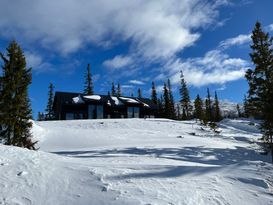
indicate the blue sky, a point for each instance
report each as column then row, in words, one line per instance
column 134, row 43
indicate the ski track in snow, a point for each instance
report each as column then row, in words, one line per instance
column 136, row 161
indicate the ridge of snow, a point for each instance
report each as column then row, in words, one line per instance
column 116, row 100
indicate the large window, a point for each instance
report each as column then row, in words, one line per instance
column 130, row 112
column 136, row 112
column 92, row 112
column 99, row 112
column 133, row 112
column 95, row 111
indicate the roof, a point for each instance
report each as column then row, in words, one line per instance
column 80, row 98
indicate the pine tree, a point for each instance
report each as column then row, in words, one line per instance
column 40, row 116
column 217, row 112
column 160, row 106
column 178, row 112
column 15, row 107
column 154, row 95
column 139, row 94
column 88, row 88
column 198, row 108
column 208, row 111
column 185, row 97
column 49, row 107
column 166, row 103
column 172, row 108
column 260, row 80
column 118, row 90
column 113, row 91
column 246, row 107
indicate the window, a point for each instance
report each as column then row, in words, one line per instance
column 136, row 112
column 92, row 112
column 99, row 112
column 69, row 116
column 133, row 112
column 95, row 111
column 130, row 112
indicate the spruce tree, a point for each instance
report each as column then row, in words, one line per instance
column 154, row 95
column 15, row 106
column 217, row 112
column 166, row 103
column 208, row 111
column 88, row 88
column 118, row 90
column 139, row 94
column 198, row 108
column 172, row 108
column 49, row 107
column 160, row 106
column 113, row 90
column 260, row 80
column 185, row 97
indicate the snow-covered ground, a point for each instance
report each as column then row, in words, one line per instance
column 137, row 161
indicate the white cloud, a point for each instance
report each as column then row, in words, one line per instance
column 238, row 40
column 136, row 82
column 36, row 62
column 118, row 62
column 270, row 27
column 156, row 29
column 214, row 68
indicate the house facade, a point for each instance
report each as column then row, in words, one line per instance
column 69, row 106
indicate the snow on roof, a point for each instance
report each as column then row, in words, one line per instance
column 145, row 105
column 117, row 101
column 129, row 100
column 77, row 99
column 93, row 97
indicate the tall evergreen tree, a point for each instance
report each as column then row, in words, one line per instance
column 208, row 111
column 166, row 103
column 217, row 111
column 172, row 106
column 154, row 94
column 49, row 107
column 198, row 108
column 185, row 97
column 113, row 90
column 88, row 87
column 160, row 106
column 15, row 107
column 260, row 80
column 139, row 94
column 118, row 90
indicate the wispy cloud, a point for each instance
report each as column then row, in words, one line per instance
column 215, row 67
column 156, row 29
column 236, row 41
column 118, row 62
column 136, row 82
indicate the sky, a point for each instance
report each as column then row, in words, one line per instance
column 134, row 43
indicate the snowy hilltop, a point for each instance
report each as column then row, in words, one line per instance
column 137, row 161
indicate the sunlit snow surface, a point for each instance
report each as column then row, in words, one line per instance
column 137, row 161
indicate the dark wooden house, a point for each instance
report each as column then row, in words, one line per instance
column 69, row 106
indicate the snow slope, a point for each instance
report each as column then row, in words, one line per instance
column 137, row 161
